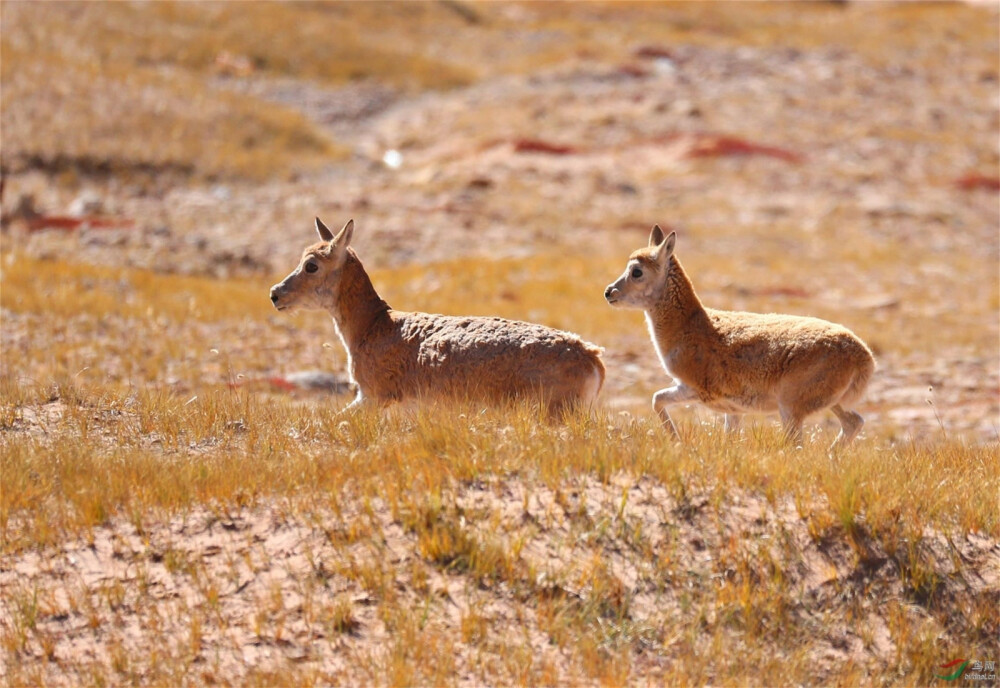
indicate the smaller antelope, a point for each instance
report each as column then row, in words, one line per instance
column 738, row 363
column 393, row 355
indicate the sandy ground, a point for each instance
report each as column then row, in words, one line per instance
column 276, row 584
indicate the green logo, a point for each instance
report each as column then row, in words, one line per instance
column 958, row 672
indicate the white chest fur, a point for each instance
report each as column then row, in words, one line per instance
column 661, row 352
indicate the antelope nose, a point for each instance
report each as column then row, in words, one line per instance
column 274, row 295
column 610, row 292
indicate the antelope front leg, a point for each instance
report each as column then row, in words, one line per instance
column 678, row 394
column 359, row 402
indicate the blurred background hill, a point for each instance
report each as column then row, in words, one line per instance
column 836, row 159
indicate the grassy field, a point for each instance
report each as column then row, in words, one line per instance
column 154, row 481
column 612, row 553
column 173, row 513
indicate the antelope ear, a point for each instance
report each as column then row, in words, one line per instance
column 665, row 247
column 324, row 233
column 656, row 236
column 343, row 238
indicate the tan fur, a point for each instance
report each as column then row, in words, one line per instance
column 394, row 355
column 736, row 362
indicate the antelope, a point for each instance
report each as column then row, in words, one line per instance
column 737, row 363
column 397, row 355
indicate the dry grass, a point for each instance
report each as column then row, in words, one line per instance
column 148, row 125
column 292, row 447
column 120, row 90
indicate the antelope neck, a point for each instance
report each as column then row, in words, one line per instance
column 679, row 309
column 356, row 305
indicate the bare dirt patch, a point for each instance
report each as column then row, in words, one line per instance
column 244, row 592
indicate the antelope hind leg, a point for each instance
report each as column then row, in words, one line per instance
column 851, row 424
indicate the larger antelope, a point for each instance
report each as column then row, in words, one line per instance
column 394, row 355
column 739, row 363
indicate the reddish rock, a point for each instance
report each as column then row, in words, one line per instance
column 978, row 181
column 712, row 146
column 539, row 146
column 652, row 52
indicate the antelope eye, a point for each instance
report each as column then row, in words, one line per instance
column 636, row 273
column 311, row 267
